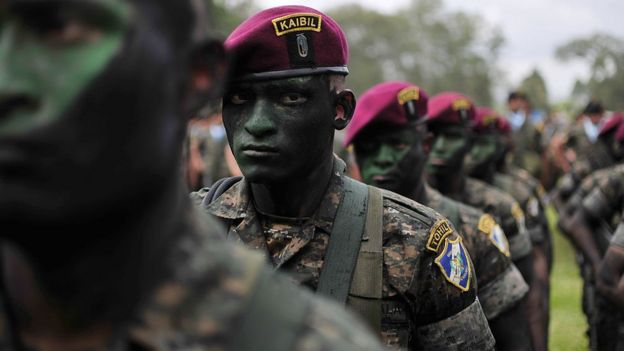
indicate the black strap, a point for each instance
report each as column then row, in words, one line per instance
column 218, row 188
column 268, row 323
column 344, row 242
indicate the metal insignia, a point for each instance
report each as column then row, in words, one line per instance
column 302, row 45
column 454, row 263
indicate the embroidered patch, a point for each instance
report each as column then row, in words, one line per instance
column 455, row 264
column 297, row 22
column 441, row 229
column 408, row 94
column 461, row 104
column 488, row 225
column 518, row 214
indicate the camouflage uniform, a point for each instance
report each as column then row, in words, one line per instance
column 527, row 148
column 601, row 197
column 505, row 210
column 501, row 285
column 421, row 308
column 203, row 302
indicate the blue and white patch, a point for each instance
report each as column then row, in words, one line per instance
column 499, row 239
column 454, row 263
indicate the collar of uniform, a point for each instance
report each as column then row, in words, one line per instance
column 236, row 202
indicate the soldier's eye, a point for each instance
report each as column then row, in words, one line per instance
column 239, row 98
column 293, row 99
column 69, row 32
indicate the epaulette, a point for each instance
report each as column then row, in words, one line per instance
column 411, row 208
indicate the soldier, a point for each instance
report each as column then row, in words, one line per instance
column 450, row 116
column 597, row 213
column 526, row 137
column 100, row 246
column 389, row 135
column 486, row 161
column 610, row 279
column 413, row 279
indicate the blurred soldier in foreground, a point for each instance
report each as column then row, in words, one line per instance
column 527, row 146
column 397, row 262
column 389, row 134
column 450, row 118
column 486, row 161
column 598, row 206
column 101, row 248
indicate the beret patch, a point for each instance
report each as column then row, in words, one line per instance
column 408, row 94
column 297, row 22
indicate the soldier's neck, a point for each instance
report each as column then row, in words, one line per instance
column 295, row 198
column 418, row 192
column 87, row 288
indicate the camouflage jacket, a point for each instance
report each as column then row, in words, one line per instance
column 505, row 210
column 501, row 285
column 202, row 304
column 423, row 305
column 601, row 196
column 526, row 193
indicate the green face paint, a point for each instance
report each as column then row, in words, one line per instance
column 448, row 150
column 49, row 52
column 378, row 155
column 483, row 153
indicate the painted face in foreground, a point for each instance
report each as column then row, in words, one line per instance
column 448, row 150
column 49, row 52
column 391, row 157
column 280, row 129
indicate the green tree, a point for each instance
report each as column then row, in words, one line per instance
column 605, row 57
column 422, row 43
column 535, row 87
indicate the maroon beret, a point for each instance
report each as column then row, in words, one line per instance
column 486, row 120
column 613, row 123
column 448, row 108
column 386, row 102
column 288, row 41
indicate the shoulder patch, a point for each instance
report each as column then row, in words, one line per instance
column 454, row 263
column 297, row 22
column 517, row 212
column 533, row 207
column 488, row 225
column 441, row 229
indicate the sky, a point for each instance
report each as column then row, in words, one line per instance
column 533, row 29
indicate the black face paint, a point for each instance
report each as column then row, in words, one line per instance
column 280, row 129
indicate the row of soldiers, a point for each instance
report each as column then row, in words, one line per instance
column 102, row 249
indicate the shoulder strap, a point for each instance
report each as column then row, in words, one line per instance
column 267, row 313
column 218, row 188
column 366, row 287
column 344, row 242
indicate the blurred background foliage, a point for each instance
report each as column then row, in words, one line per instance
column 439, row 49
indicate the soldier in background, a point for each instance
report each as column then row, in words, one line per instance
column 451, row 116
column 101, row 248
column 397, row 262
column 486, row 161
column 390, row 140
column 527, row 146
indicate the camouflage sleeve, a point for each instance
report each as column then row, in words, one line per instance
column 605, row 198
column 429, row 265
column 501, row 285
column 618, row 237
column 514, row 223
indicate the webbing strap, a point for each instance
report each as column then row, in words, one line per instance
column 366, row 287
column 267, row 325
column 344, row 242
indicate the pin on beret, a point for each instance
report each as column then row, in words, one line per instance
column 450, row 108
column 486, row 120
column 288, row 41
column 394, row 102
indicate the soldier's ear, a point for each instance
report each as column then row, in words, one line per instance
column 344, row 108
column 209, row 70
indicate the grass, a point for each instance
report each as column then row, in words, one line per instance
column 567, row 321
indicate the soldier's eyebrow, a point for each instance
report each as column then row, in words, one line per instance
column 97, row 12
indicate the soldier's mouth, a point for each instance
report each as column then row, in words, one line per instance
column 254, row 150
column 437, row 162
column 11, row 103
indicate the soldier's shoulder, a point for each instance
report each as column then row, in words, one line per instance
column 398, row 207
column 489, row 192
